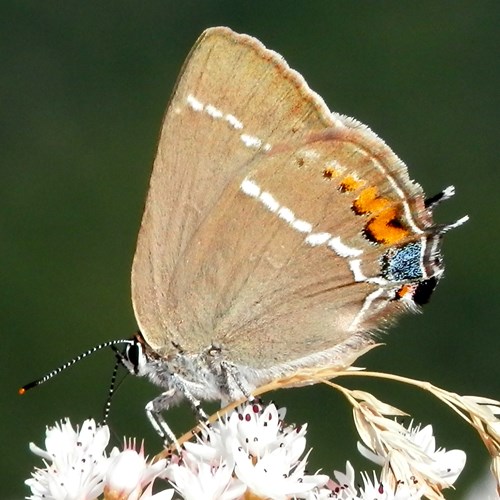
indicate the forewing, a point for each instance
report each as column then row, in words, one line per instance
column 232, row 98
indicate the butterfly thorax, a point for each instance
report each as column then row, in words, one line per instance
column 180, row 374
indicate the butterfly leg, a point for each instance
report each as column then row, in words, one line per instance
column 153, row 412
column 236, row 386
column 193, row 401
column 164, row 401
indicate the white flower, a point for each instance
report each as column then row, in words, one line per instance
column 75, row 462
column 420, row 457
column 346, row 486
column 276, row 475
column 372, row 489
column 253, row 427
column 78, row 468
column 248, row 451
column 378, row 490
column 129, row 473
column 195, row 479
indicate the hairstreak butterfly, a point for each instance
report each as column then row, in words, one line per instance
column 277, row 235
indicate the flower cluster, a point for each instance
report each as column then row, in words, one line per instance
column 249, row 454
column 77, row 467
column 249, row 451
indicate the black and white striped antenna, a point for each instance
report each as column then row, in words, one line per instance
column 112, row 385
column 71, row 362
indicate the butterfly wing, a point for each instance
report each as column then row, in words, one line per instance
column 267, row 216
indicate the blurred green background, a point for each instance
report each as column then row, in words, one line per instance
column 83, row 87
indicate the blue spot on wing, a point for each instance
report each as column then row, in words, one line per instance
column 403, row 264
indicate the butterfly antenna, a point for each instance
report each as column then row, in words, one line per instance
column 112, row 386
column 71, row 362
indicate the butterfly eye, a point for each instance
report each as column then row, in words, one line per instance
column 132, row 356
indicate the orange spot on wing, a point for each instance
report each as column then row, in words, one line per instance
column 368, row 201
column 350, row 183
column 329, row 173
column 405, row 290
column 385, row 225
